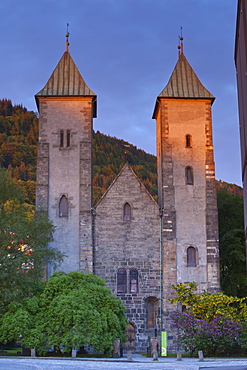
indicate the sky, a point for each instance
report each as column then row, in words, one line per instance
column 126, row 51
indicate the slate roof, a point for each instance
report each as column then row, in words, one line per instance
column 66, row 80
column 184, row 84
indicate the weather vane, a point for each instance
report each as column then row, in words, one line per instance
column 181, row 45
column 67, row 38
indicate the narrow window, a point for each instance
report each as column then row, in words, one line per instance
column 63, row 206
column 68, row 138
column 122, row 281
column 126, row 212
column 191, row 256
column 189, row 175
column 133, row 276
column 152, row 310
column 188, row 141
column 61, row 138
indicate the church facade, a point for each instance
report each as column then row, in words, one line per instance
column 139, row 247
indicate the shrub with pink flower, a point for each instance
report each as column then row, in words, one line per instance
column 217, row 336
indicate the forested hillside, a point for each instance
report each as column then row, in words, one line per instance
column 18, row 145
column 18, row 152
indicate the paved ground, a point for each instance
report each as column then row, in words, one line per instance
column 138, row 363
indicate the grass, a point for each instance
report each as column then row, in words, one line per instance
column 11, row 352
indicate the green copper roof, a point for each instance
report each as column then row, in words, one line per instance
column 66, row 80
column 184, row 84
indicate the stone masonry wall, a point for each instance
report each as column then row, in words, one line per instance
column 211, row 210
column 67, row 171
column 130, row 244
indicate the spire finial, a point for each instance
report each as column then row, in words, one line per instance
column 181, row 45
column 67, row 38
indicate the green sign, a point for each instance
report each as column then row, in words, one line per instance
column 163, row 343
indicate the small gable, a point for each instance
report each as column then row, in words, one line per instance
column 126, row 186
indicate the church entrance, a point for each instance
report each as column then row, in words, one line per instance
column 130, row 344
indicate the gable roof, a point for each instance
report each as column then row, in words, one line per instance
column 66, row 80
column 184, row 84
column 125, row 168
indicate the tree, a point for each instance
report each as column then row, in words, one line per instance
column 231, row 211
column 233, row 275
column 207, row 306
column 232, row 263
column 209, row 322
column 24, row 250
column 75, row 309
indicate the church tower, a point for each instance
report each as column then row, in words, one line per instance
column 67, row 107
column 186, row 182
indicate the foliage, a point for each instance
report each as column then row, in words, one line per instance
column 207, row 306
column 74, row 309
column 212, row 322
column 79, row 309
column 212, row 337
column 230, row 188
column 230, row 207
column 24, row 238
column 19, row 321
column 244, row 334
column 233, row 275
column 233, row 263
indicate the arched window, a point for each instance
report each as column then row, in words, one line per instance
column 61, row 138
column 133, row 276
column 152, row 311
column 189, row 175
column 188, row 141
column 191, row 256
column 63, row 207
column 127, row 212
column 68, row 138
column 121, row 281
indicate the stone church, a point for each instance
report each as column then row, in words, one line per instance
column 138, row 246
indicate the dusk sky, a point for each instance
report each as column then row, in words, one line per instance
column 126, row 51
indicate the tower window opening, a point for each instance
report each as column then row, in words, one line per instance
column 68, row 138
column 188, row 141
column 133, row 276
column 61, row 138
column 191, row 256
column 189, row 175
column 121, row 280
column 63, row 207
column 127, row 212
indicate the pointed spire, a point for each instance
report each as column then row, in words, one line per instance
column 181, row 45
column 66, row 80
column 183, row 84
column 67, row 39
